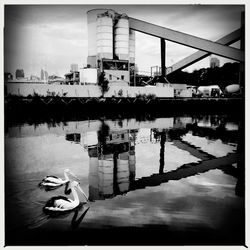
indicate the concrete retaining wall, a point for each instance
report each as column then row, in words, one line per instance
column 25, row 90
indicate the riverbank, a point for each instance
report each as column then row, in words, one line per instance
column 39, row 109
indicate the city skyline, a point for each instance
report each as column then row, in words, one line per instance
column 54, row 37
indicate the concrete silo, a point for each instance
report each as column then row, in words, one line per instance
column 131, row 46
column 104, row 35
column 100, row 34
column 111, row 46
column 122, row 38
column 132, row 56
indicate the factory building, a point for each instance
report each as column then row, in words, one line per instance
column 111, row 48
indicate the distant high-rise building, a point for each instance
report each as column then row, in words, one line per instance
column 74, row 67
column 19, row 73
column 42, row 74
column 8, row 76
column 46, row 75
column 214, row 62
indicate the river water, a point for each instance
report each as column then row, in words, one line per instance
column 167, row 181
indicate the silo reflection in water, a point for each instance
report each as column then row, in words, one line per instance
column 105, row 174
column 111, row 165
column 123, row 172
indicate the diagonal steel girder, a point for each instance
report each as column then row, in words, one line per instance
column 199, row 55
column 186, row 39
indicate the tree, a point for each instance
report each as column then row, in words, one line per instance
column 222, row 76
column 103, row 83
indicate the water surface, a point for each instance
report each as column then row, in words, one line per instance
column 170, row 181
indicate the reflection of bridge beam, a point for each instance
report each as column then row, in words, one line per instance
column 185, row 171
column 199, row 55
column 227, row 169
column 186, row 39
column 192, row 150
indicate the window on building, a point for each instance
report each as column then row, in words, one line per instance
column 122, row 77
column 114, row 65
column 109, row 65
column 122, row 65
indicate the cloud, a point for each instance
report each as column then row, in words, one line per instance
column 43, row 46
column 54, row 36
column 40, row 154
column 200, row 201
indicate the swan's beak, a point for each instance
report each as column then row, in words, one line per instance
column 83, row 193
column 74, row 175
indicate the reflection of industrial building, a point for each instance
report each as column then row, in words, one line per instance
column 111, row 164
column 112, row 152
column 111, row 161
column 214, row 127
column 210, row 126
column 178, row 129
column 74, row 137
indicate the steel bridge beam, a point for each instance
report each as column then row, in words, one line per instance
column 186, row 39
column 199, row 55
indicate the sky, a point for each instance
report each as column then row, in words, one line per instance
column 52, row 37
